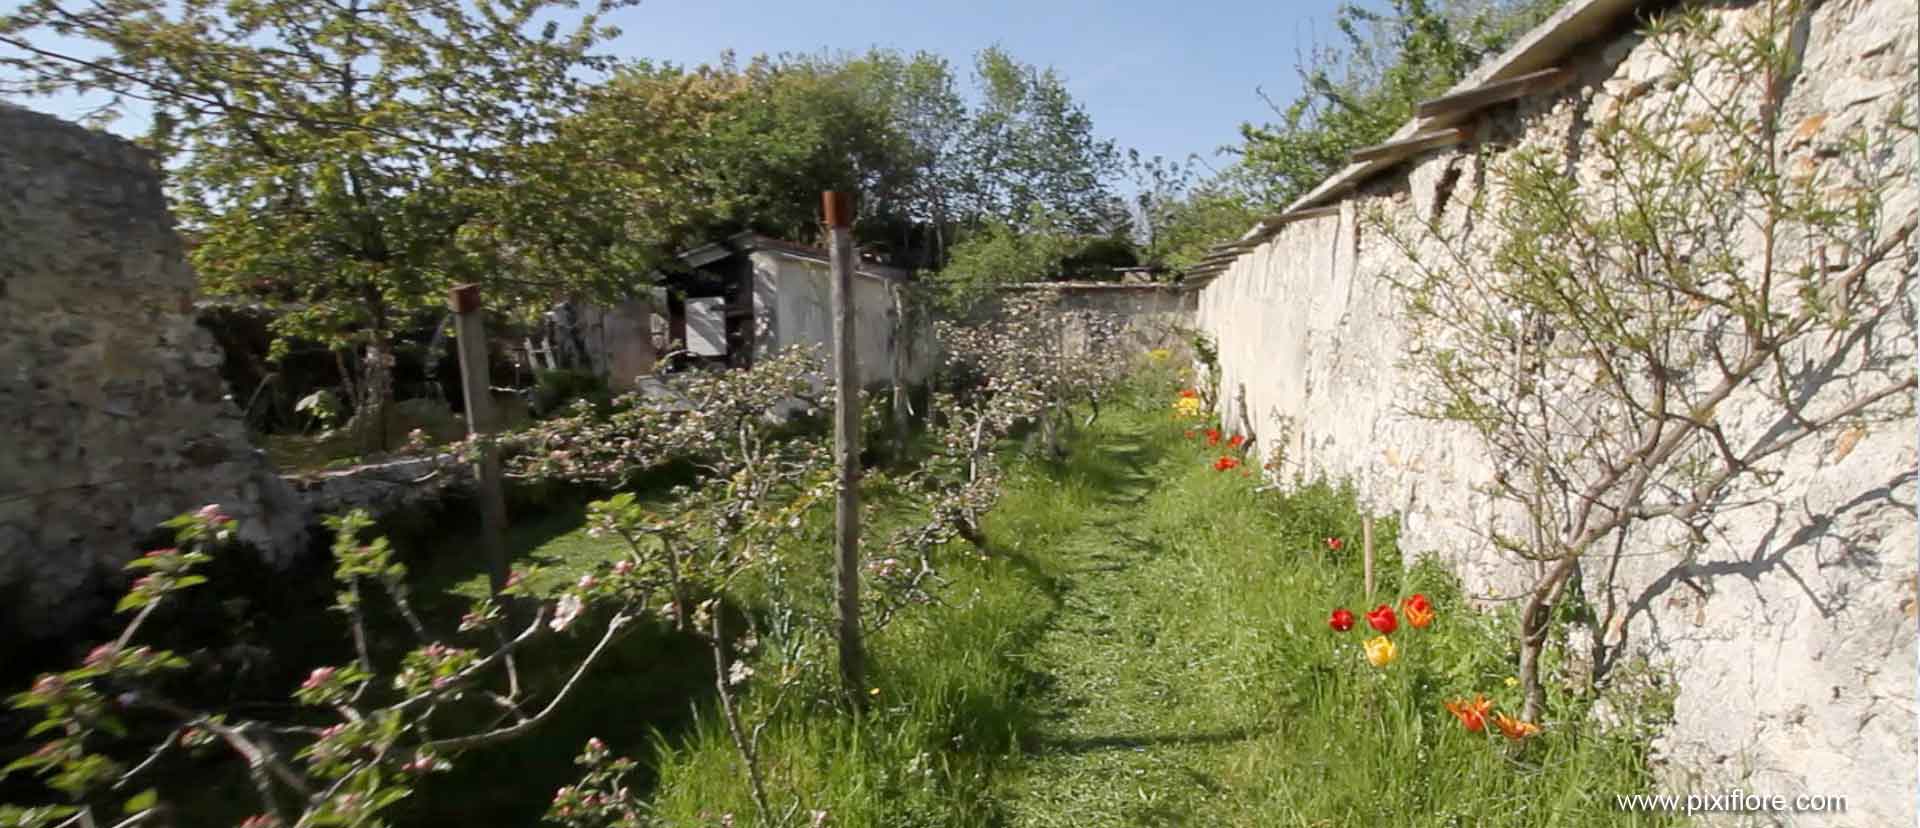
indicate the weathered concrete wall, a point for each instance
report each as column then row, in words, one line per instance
column 792, row 304
column 618, row 340
column 1791, row 638
column 112, row 414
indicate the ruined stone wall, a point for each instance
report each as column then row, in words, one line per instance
column 113, row 416
column 1790, row 640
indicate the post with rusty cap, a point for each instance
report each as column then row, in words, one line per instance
column 469, row 330
column 846, row 450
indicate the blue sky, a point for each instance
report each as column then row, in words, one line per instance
column 1167, row 77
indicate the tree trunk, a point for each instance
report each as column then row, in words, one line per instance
column 376, row 395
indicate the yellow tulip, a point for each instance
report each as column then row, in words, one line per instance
column 1380, row 651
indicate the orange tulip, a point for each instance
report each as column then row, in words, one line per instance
column 1514, row 728
column 1418, row 611
column 1472, row 714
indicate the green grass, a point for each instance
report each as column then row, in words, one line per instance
column 1146, row 644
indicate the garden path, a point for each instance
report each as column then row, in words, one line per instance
column 1120, row 741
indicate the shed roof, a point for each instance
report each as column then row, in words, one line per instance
column 750, row 242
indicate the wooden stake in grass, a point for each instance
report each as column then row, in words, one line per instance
column 846, row 450
column 470, row 337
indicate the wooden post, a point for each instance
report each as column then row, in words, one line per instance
column 846, row 451
column 469, row 329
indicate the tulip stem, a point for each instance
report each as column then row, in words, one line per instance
column 1366, row 551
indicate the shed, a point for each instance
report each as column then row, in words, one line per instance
column 741, row 298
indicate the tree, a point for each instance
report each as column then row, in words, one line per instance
column 1385, row 63
column 350, row 160
column 1004, row 253
column 1178, row 213
column 1032, row 145
column 734, row 146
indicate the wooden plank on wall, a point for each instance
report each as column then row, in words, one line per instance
column 1481, row 97
column 1396, row 150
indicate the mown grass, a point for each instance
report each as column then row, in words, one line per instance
column 1145, row 643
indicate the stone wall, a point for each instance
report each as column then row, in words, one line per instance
column 1791, row 637
column 113, row 416
column 1152, row 316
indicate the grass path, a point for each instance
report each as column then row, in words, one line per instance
column 1118, row 742
column 1146, row 643
column 1187, row 675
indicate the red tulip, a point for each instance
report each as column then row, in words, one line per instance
column 1341, row 620
column 1334, row 544
column 1381, row 618
column 1236, row 441
column 1213, row 436
column 1225, row 463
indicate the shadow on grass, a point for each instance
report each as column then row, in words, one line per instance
column 1101, row 744
column 648, row 684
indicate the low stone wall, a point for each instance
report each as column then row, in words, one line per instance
column 384, row 488
column 1791, row 635
column 1152, row 316
column 113, row 416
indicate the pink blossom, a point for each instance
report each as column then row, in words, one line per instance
column 319, row 676
column 101, row 654
column 566, row 611
column 161, row 553
column 587, row 581
column 211, row 513
column 623, row 567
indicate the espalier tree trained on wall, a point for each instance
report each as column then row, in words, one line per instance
column 1592, row 320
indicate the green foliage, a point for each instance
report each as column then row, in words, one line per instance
column 324, row 406
column 1032, row 145
column 731, row 146
column 1359, row 90
column 1002, row 253
column 1096, row 258
column 556, row 389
